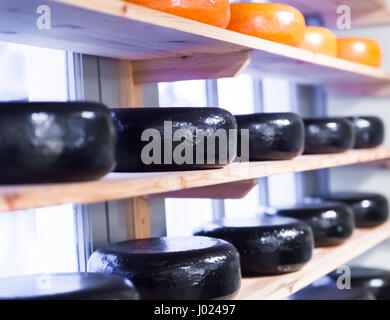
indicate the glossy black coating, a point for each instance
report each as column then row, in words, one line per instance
column 324, row 292
column 328, row 135
column 131, row 123
column 370, row 131
column 44, row 142
column 67, row 286
column 267, row 245
column 332, row 222
column 376, row 281
column 183, row 268
column 370, row 209
column 272, row 136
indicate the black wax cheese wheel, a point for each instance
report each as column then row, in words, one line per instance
column 370, row 131
column 325, row 292
column 328, row 135
column 182, row 268
column 272, row 136
column 146, row 139
column 67, row 286
column 376, row 281
column 267, row 245
column 332, row 223
column 370, row 209
column 45, row 142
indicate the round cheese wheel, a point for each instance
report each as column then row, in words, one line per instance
column 328, row 135
column 376, row 281
column 44, row 142
column 182, row 268
column 320, row 40
column 272, row 136
column 213, row 12
column 332, row 223
column 361, row 50
column 370, row 209
column 370, row 131
column 270, row 21
column 167, row 139
column 324, row 292
column 67, row 286
column 267, row 245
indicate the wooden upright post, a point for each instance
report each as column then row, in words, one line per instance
column 137, row 209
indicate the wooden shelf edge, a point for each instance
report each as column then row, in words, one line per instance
column 231, row 190
column 169, row 48
column 120, row 186
column 324, row 261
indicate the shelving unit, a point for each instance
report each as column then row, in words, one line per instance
column 324, row 261
column 364, row 13
column 127, row 185
column 168, row 48
column 161, row 47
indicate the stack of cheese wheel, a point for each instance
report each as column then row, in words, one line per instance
column 271, row 21
column 67, row 286
column 184, row 268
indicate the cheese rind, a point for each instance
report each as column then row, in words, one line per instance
column 370, row 209
column 332, row 223
column 267, row 245
column 328, row 135
column 370, row 131
column 272, row 136
column 183, row 268
column 44, row 142
column 169, row 139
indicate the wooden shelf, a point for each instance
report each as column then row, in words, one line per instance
column 120, row 186
column 364, row 13
column 324, row 261
column 168, row 48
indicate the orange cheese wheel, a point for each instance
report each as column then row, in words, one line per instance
column 270, row 21
column 320, row 40
column 361, row 50
column 214, row 12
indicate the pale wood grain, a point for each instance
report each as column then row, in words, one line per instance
column 137, row 214
column 198, row 66
column 231, row 190
column 324, row 261
column 137, row 211
column 126, row 31
column 125, row 185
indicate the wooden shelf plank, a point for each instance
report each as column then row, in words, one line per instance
column 324, row 261
column 126, row 185
column 364, row 13
column 168, row 48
